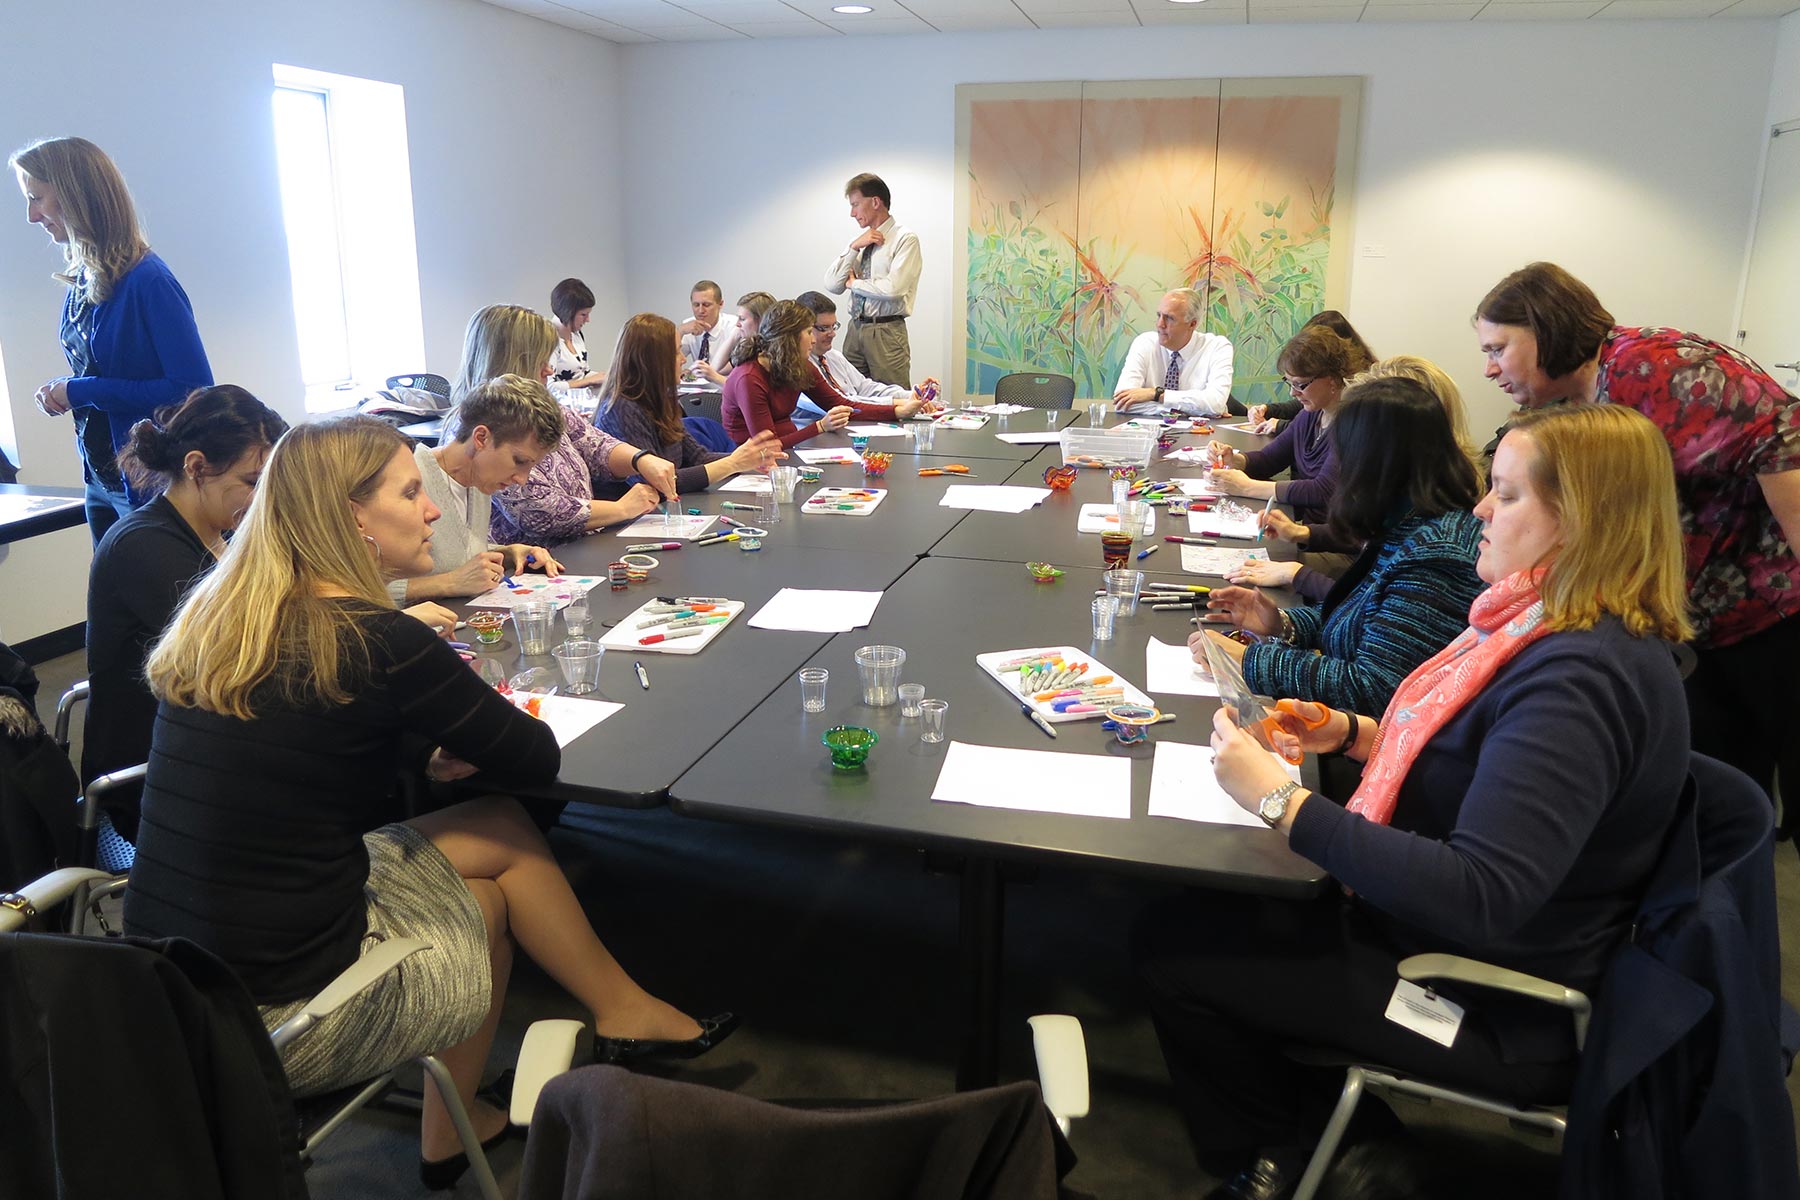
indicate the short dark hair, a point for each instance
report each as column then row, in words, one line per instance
column 570, row 297
column 870, row 186
column 707, row 285
column 1395, row 452
column 223, row 423
column 819, row 302
column 1563, row 314
column 1318, row 351
column 1339, row 324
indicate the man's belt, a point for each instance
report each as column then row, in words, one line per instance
column 877, row 320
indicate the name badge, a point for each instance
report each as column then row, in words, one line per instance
column 1425, row 1012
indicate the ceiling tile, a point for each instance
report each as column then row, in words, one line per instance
column 978, row 24
column 1214, row 13
column 1262, row 14
column 1034, row 7
column 707, row 32
column 1540, row 10
column 1084, row 20
column 1761, row 8
column 957, row 8
column 1419, row 12
column 1654, row 10
column 865, row 26
column 789, row 29
column 745, row 12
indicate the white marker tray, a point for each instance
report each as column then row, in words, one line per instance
column 1010, row 679
column 1101, row 518
column 824, row 502
column 625, row 635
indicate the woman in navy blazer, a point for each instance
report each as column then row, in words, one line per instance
column 127, row 328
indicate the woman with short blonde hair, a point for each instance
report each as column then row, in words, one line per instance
column 1423, row 370
column 503, row 339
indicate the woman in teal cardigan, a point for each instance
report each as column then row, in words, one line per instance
column 1405, row 492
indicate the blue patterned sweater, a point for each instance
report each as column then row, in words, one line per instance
column 1402, row 601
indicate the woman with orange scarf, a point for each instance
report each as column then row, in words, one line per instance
column 1515, row 797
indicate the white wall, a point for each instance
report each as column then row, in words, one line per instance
column 1784, row 90
column 1626, row 151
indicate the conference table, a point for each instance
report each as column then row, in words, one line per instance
column 27, row 510
column 721, row 734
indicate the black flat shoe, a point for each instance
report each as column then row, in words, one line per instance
column 442, row 1175
column 713, row 1030
column 1263, row 1179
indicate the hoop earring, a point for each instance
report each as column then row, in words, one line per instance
column 374, row 543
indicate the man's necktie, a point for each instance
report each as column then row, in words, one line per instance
column 862, row 272
column 706, row 345
column 1172, row 377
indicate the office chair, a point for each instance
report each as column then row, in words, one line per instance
column 1035, row 389
column 437, row 385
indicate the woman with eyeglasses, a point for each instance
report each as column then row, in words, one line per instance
column 1317, row 363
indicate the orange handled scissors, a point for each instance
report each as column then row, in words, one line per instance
column 1270, row 723
column 950, row 469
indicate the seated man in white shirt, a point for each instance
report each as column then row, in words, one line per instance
column 833, row 365
column 1176, row 369
column 708, row 336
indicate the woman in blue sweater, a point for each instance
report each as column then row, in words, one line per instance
column 1516, row 796
column 127, row 328
column 1404, row 496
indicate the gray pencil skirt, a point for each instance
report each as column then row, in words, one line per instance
column 430, row 1002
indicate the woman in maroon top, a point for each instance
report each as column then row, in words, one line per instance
column 773, row 366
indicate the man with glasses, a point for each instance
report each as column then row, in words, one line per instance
column 1176, row 368
column 880, row 269
column 832, row 364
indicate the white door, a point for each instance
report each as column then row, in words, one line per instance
column 1769, row 330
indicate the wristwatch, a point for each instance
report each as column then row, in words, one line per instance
column 1159, row 394
column 1273, row 806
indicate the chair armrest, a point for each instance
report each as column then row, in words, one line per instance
column 357, row 977
column 65, row 711
column 43, row 893
column 91, row 806
column 1062, row 1066
column 1422, row 967
column 547, row 1051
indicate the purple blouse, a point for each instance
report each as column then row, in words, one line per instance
column 1304, row 446
column 551, row 507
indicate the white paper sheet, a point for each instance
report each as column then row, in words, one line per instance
column 809, row 610
column 1047, row 438
column 1188, row 454
column 751, row 482
column 1183, row 786
column 570, row 716
column 1170, row 671
column 1098, row 518
column 813, row 458
column 1081, row 785
column 1241, row 427
column 1196, row 487
column 1213, row 524
column 652, row 527
column 559, row 589
column 878, row 429
column 1216, row 560
column 1001, row 410
column 992, row 497
column 963, row 420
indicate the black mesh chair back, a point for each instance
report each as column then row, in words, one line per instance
column 1035, row 389
column 437, row 385
column 708, row 404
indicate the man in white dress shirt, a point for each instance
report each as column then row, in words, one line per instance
column 708, row 335
column 1176, row 369
column 880, row 269
column 832, row 364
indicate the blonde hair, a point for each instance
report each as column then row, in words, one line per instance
column 503, row 339
column 105, row 238
column 257, row 627
column 1432, row 378
column 1606, row 473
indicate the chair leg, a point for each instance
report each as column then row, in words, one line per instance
column 465, row 1128
column 1334, row 1133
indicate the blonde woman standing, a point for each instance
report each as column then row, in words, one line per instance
column 127, row 328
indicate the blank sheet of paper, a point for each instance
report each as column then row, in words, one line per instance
column 878, row 429
column 809, row 610
column 1183, row 786
column 813, row 458
column 992, row 497
column 570, row 716
column 1077, row 785
column 1047, row 438
column 1171, row 671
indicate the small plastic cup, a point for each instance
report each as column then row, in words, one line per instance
column 849, row 745
column 1050, row 418
column 1121, row 492
column 1133, row 514
column 784, row 479
column 1115, row 548
column 812, row 688
column 534, row 619
column 859, row 442
column 491, row 672
column 580, row 663
column 488, row 627
column 924, row 434
column 1104, row 608
column 879, row 667
column 931, row 718
column 1124, row 587
column 575, row 616
column 1096, row 415
column 910, row 696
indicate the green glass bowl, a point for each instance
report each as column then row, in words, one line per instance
column 849, row 745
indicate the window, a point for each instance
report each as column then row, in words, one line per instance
column 346, row 201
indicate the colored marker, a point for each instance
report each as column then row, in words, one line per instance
column 643, row 676
column 1143, row 554
column 1263, row 524
column 735, row 506
column 1037, row 718
column 716, row 538
column 646, row 547
column 1192, row 541
column 668, row 637
column 509, row 581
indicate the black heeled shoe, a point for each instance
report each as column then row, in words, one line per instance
column 713, row 1030
column 441, row 1176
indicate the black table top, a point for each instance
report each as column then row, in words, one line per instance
column 944, row 612
column 966, row 444
column 38, row 509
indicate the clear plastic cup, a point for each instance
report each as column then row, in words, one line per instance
column 580, row 663
column 533, row 620
column 1123, row 587
column 784, row 480
column 575, row 616
column 812, row 688
column 1096, row 414
column 1121, row 492
column 910, row 696
column 1133, row 514
column 924, row 434
column 765, row 496
column 879, row 667
column 931, row 718
column 1050, row 418
column 1104, row 608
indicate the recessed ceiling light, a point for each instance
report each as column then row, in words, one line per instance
column 857, row 10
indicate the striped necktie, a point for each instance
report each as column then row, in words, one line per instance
column 862, row 272
column 705, row 345
column 1172, row 377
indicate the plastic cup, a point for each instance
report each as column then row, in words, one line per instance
column 580, row 663
column 1133, row 514
column 849, row 745
column 931, row 717
column 1104, row 608
column 924, row 434
column 1124, row 587
column 575, row 616
column 1050, row 418
column 879, row 667
column 490, row 671
column 488, row 626
column 910, row 696
column 859, row 442
column 1121, row 492
column 812, row 688
column 1115, row 548
column 1096, row 415
column 784, row 480
column 533, row 619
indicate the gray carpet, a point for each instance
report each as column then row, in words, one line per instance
column 842, row 960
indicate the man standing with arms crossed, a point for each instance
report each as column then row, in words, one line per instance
column 880, row 269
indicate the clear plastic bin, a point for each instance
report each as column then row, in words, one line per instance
column 1107, row 447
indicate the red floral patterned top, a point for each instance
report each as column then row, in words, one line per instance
column 1727, row 423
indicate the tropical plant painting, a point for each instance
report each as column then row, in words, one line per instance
column 1083, row 203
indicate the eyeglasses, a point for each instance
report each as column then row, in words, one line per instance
column 822, row 330
column 1297, row 386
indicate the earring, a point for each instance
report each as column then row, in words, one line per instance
column 374, row 543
